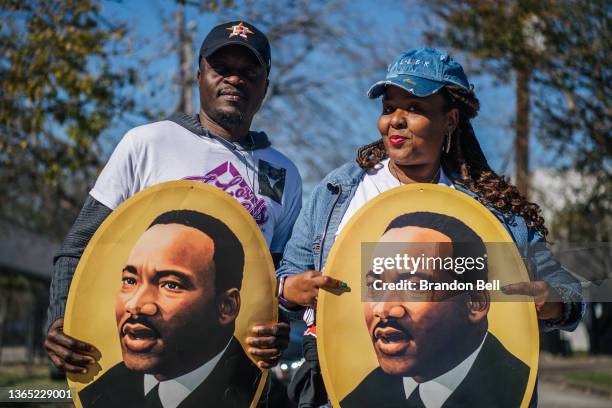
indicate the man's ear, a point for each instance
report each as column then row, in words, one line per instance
column 198, row 76
column 228, row 306
column 478, row 305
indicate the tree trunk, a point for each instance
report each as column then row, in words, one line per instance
column 185, row 76
column 521, row 142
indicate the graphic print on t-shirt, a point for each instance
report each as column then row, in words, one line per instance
column 271, row 181
column 227, row 178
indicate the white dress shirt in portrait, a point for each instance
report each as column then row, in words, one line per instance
column 172, row 392
column 436, row 391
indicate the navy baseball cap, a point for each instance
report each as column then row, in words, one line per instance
column 237, row 32
column 422, row 72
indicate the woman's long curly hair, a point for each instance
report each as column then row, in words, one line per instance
column 467, row 161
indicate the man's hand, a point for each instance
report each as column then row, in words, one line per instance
column 267, row 343
column 547, row 301
column 66, row 352
column 303, row 288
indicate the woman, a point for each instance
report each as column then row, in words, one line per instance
column 426, row 137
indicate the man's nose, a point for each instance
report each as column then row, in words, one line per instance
column 386, row 310
column 143, row 301
column 234, row 79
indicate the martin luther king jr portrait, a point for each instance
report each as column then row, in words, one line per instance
column 434, row 348
column 175, row 313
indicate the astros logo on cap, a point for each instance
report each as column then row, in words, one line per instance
column 239, row 30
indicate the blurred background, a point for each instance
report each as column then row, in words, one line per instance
column 76, row 75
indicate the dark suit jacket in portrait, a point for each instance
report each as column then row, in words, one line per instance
column 232, row 383
column 497, row 379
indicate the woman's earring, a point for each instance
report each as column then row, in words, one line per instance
column 448, row 142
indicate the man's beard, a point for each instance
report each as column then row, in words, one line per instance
column 229, row 120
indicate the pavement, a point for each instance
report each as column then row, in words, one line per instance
column 557, row 396
column 556, row 391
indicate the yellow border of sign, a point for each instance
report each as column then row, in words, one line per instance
column 431, row 192
column 178, row 187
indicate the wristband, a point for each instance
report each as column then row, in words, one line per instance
column 280, row 286
column 279, row 293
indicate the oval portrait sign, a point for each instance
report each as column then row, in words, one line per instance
column 167, row 290
column 425, row 322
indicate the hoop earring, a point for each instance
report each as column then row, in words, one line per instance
column 448, row 142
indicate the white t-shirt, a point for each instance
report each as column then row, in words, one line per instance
column 376, row 181
column 264, row 181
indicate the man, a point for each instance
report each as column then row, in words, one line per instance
column 433, row 347
column 175, row 317
column 216, row 147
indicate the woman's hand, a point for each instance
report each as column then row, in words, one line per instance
column 267, row 343
column 303, row 288
column 547, row 301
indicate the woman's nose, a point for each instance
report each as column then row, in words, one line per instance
column 398, row 121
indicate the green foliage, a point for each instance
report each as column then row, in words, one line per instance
column 499, row 33
column 22, row 376
column 565, row 45
column 213, row 6
column 60, row 91
column 589, row 219
column 596, row 377
column 572, row 109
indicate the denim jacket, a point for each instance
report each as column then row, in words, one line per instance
column 315, row 230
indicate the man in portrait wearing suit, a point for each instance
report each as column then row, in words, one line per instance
column 433, row 347
column 176, row 313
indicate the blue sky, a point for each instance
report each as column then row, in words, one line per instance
column 399, row 27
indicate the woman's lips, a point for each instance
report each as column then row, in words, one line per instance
column 397, row 140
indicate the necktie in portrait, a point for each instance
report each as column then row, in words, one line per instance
column 415, row 400
column 152, row 398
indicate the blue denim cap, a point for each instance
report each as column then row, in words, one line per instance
column 422, row 72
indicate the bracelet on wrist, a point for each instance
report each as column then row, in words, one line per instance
column 280, row 292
